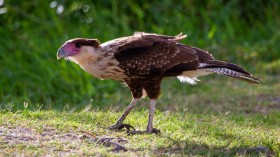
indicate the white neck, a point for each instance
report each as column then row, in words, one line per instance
column 98, row 63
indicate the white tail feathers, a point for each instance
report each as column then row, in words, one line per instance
column 188, row 80
column 190, row 77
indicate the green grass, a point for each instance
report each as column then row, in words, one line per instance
column 212, row 120
column 45, row 132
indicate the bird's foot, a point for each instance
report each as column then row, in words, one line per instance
column 153, row 131
column 128, row 127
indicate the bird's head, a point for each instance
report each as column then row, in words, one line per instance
column 75, row 49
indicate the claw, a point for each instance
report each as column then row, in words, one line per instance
column 155, row 131
column 135, row 132
column 128, row 127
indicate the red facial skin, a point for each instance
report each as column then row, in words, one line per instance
column 68, row 49
column 71, row 49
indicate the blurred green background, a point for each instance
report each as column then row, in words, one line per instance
column 242, row 32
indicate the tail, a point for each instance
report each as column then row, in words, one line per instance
column 229, row 69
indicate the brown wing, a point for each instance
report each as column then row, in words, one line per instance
column 141, row 39
column 156, row 55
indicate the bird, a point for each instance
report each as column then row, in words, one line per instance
column 142, row 60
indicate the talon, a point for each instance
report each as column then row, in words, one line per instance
column 137, row 132
column 128, row 127
column 155, row 131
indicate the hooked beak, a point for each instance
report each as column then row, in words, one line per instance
column 61, row 53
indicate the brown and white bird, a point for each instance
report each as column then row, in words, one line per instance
column 142, row 61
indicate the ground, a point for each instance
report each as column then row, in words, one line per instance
column 224, row 117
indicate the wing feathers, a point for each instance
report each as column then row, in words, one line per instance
column 144, row 54
column 164, row 37
column 202, row 55
column 155, row 55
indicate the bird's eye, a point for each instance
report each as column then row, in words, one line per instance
column 78, row 45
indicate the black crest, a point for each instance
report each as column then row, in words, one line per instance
column 85, row 42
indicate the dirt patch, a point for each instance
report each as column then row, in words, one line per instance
column 257, row 151
column 53, row 140
column 264, row 104
column 264, row 97
column 28, row 135
column 266, row 109
column 115, row 143
column 273, row 106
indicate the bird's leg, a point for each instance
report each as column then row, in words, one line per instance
column 119, row 124
column 150, row 128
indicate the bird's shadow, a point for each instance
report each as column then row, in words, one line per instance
column 189, row 148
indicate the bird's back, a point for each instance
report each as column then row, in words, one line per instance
column 153, row 55
column 138, row 39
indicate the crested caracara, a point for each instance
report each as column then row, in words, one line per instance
column 142, row 61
